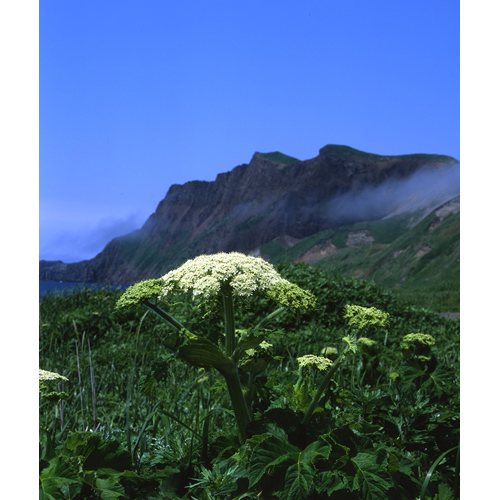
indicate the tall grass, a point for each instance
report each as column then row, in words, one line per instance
column 179, row 418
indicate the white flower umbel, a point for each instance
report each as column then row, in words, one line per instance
column 46, row 379
column 45, row 376
column 319, row 362
column 207, row 276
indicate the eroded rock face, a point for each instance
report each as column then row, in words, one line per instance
column 318, row 252
column 242, row 209
column 356, row 238
column 453, row 207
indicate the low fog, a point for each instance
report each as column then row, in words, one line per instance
column 426, row 188
column 87, row 238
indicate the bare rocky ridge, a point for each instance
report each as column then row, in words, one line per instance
column 271, row 197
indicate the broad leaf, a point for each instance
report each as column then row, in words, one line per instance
column 108, row 483
column 271, row 451
column 58, row 480
column 97, row 452
column 300, row 475
column 369, row 478
column 298, row 481
column 331, row 481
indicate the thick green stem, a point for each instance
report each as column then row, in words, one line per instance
column 232, row 378
column 227, row 299
column 321, row 389
column 238, row 401
column 164, row 315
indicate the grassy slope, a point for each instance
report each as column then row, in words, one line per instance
column 392, row 261
column 348, row 150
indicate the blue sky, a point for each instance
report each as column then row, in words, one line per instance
column 135, row 97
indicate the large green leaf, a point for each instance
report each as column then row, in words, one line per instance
column 201, row 352
column 59, row 481
column 331, row 481
column 269, row 452
column 97, row 452
column 300, row 475
column 368, row 478
column 339, row 454
column 298, row 481
column 108, row 484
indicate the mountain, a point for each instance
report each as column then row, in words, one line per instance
column 274, row 202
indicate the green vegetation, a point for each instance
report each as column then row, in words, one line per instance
column 421, row 265
column 279, row 158
column 356, row 398
column 420, row 156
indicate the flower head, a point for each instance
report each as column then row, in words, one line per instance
column 319, row 362
column 329, row 351
column 208, row 275
column 366, row 342
column 45, row 376
column 362, row 317
column 419, row 339
column 138, row 293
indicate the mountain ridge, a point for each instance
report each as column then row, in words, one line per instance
column 272, row 196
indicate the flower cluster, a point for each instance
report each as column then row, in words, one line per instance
column 138, row 293
column 366, row 342
column 330, row 351
column 45, row 376
column 319, row 362
column 207, row 276
column 421, row 339
column 265, row 346
column 363, row 317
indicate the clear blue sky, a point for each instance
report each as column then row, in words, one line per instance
column 137, row 96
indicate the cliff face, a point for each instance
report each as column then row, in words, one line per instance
column 272, row 196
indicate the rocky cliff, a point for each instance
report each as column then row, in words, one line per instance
column 273, row 196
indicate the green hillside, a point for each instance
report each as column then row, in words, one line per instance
column 420, row 262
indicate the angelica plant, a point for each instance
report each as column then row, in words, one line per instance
column 224, row 278
column 47, row 379
column 358, row 319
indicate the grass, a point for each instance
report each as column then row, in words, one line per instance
column 172, row 419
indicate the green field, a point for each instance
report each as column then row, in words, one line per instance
column 135, row 420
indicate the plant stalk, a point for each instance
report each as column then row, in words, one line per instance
column 93, row 388
column 230, row 334
column 321, row 389
column 238, row 402
column 80, row 384
column 268, row 318
column 164, row 315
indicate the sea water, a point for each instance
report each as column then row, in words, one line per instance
column 64, row 286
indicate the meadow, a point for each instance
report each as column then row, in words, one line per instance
column 352, row 395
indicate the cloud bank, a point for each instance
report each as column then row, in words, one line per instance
column 426, row 188
column 87, row 237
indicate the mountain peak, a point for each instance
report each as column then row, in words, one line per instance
column 253, row 204
column 275, row 157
